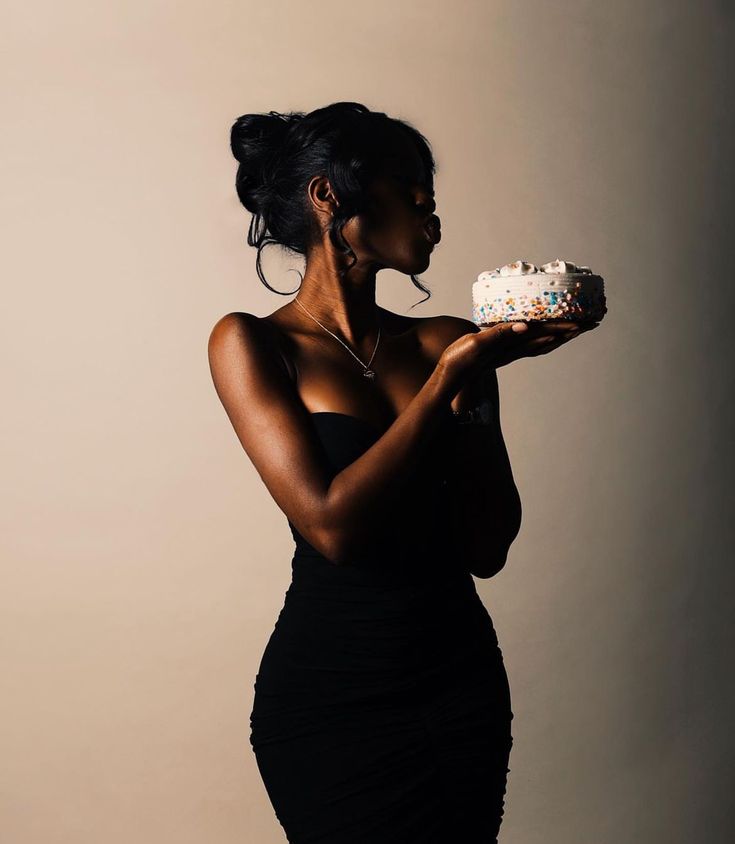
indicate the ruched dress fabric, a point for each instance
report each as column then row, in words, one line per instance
column 382, row 707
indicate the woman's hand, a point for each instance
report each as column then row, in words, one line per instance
column 501, row 344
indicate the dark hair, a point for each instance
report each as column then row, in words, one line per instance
column 279, row 154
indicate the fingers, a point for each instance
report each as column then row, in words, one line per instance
column 547, row 343
column 504, row 344
column 510, row 328
column 544, row 345
column 509, row 331
column 541, row 328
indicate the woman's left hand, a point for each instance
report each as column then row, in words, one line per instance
column 483, row 383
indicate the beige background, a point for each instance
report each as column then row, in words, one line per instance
column 144, row 562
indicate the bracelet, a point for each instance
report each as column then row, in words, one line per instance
column 480, row 415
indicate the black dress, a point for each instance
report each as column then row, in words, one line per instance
column 382, row 708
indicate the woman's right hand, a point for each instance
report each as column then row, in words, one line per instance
column 499, row 345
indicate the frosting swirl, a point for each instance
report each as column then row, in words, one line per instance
column 559, row 266
column 516, row 268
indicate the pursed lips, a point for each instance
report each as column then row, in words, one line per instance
column 432, row 229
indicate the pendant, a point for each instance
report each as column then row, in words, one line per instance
column 368, row 373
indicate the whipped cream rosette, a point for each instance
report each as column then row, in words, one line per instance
column 520, row 290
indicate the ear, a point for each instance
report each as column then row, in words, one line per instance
column 321, row 195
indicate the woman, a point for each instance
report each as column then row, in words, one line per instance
column 382, row 708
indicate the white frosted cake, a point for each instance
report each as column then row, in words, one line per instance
column 522, row 291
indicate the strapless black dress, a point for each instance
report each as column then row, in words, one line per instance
column 382, row 707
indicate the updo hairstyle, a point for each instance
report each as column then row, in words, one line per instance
column 279, row 154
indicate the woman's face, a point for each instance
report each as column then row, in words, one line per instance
column 399, row 228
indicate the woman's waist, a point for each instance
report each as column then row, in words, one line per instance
column 387, row 566
column 364, row 598
column 337, row 639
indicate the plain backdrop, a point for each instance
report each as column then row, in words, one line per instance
column 144, row 562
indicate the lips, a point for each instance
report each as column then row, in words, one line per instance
column 432, row 228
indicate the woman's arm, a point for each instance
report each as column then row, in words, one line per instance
column 336, row 515
column 485, row 504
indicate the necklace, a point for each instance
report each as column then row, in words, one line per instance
column 368, row 373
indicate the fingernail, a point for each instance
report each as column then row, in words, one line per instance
column 519, row 326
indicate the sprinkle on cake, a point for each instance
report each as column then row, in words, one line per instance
column 522, row 291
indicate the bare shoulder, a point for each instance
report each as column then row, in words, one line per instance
column 239, row 322
column 438, row 332
column 253, row 336
column 232, row 325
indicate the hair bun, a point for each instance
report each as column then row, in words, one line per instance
column 254, row 141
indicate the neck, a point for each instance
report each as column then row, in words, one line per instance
column 346, row 307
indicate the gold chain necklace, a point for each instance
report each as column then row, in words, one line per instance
column 368, row 373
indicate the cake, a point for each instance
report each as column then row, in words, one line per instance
column 522, row 291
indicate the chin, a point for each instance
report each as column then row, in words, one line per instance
column 414, row 261
column 422, row 263
column 414, row 267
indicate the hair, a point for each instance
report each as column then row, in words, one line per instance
column 279, row 154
